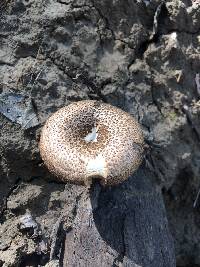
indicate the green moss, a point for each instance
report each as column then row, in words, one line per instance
column 172, row 115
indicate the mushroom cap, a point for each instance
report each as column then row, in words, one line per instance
column 91, row 139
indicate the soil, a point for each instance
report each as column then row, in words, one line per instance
column 142, row 56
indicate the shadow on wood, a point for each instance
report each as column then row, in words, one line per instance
column 124, row 225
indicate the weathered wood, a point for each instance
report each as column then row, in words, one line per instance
column 124, row 225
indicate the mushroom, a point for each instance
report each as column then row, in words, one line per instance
column 91, row 139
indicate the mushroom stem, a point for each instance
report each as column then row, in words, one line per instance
column 96, row 167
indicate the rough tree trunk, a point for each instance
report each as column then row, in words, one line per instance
column 139, row 55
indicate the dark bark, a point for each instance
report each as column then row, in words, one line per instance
column 127, row 226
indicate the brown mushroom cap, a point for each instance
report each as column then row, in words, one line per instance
column 89, row 139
